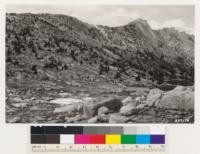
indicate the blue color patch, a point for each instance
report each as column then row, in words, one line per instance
column 143, row 139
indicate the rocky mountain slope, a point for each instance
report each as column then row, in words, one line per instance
column 62, row 70
column 48, row 47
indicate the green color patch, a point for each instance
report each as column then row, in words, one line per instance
column 128, row 139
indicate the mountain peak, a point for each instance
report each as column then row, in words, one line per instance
column 142, row 26
column 139, row 21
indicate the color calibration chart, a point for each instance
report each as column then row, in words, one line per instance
column 97, row 139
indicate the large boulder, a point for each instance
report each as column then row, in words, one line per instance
column 116, row 118
column 129, row 100
column 178, row 98
column 66, row 101
column 69, row 109
column 128, row 110
column 180, row 88
column 93, row 120
column 91, row 108
column 141, row 92
column 15, row 100
column 191, row 88
column 154, row 97
column 141, row 106
column 14, row 120
column 103, row 118
column 19, row 105
column 103, row 110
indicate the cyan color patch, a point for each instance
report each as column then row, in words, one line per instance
column 142, row 139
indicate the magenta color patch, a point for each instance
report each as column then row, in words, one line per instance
column 82, row 139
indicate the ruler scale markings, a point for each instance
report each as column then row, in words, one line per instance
column 94, row 139
column 116, row 149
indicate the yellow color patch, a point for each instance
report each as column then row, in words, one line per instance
column 113, row 139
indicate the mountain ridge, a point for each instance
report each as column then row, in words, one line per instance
column 118, row 53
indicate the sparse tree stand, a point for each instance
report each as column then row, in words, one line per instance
column 100, row 69
column 138, row 77
column 103, row 67
column 34, row 69
column 160, row 77
column 117, row 75
column 73, row 55
column 185, row 79
column 157, row 75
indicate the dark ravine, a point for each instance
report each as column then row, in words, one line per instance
column 48, row 54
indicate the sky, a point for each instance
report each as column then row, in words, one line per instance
column 158, row 16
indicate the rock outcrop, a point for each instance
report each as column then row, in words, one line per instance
column 128, row 110
column 154, row 97
column 90, row 109
column 179, row 98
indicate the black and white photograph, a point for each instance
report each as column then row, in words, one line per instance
column 99, row 63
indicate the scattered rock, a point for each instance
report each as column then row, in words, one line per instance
column 75, row 119
column 80, row 108
column 88, row 99
column 62, row 117
column 141, row 106
column 116, row 118
column 191, row 88
column 54, row 121
column 40, row 101
column 50, row 118
column 65, row 94
column 66, row 101
column 90, row 109
column 69, row 109
column 110, row 88
column 32, row 98
column 127, row 110
column 138, row 99
column 16, row 100
column 180, row 88
column 103, row 110
column 14, row 120
column 37, row 118
column 128, row 100
column 141, row 92
column 73, row 83
column 154, row 97
column 103, row 117
column 93, row 120
column 19, row 105
column 191, row 118
column 47, row 98
column 10, row 111
column 143, row 98
column 151, row 112
column 37, row 108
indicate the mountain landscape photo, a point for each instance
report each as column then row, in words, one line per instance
column 60, row 69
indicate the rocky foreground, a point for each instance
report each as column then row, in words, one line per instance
column 103, row 104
